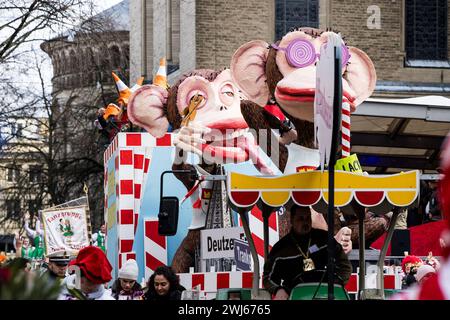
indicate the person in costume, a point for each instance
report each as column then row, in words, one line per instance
column 94, row 271
column 99, row 238
column 298, row 256
column 38, row 238
column 24, row 249
column 410, row 264
column 126, row 287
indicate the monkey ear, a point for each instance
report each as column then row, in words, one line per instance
column 248, row 69
column 146, row 109
column 361, row 75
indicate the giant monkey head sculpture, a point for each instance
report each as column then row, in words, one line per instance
column 286, row 71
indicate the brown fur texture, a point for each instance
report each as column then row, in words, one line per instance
column 255, row 116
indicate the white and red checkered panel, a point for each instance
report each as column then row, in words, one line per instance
column 155, row 247
column 126, row 199
column 210, row 282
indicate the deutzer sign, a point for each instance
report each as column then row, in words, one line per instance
column 219, row 243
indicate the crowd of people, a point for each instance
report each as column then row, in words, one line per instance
column 88, row 277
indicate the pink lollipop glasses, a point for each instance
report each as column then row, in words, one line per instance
column 301, row 53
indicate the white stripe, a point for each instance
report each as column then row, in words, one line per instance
column 210, row 281
column 155, row 250
column 257, row 227
column 162, row 71
column 236, row 279
column 346, row 131
column 126, row 172
column 126, row 202
column 121, row 140
column 126, row 232
column 345, row 119
column 186, row 280
column 121, row 86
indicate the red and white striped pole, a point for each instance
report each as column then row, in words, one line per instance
column 345, row 129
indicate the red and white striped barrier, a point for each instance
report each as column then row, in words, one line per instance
column 155, row 247
column 345, row 129
column 257, row 230
column 125, row 200
column 210, row 282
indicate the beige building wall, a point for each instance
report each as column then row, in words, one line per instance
column 385, row 46
column 224, row 25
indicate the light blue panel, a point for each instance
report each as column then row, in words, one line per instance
column 161, row 160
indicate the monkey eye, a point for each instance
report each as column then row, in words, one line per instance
column 229, row 93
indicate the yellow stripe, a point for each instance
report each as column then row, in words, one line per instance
column 315, row 180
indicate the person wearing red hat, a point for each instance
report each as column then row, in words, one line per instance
column 93, row 270
column 437, row 286
column 410, row 264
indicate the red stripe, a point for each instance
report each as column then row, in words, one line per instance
column 275, row 111
column 151, row 262
column 126, row 246
column 346, row 125
column 165, row 141
column 147, row 162
column 259, row 244
column 126, row 216
column 139, row 161
column 389, row 281
column 133, row 140
column 247, row 279
column 345, row 137
column 126, row 186
column 257, row 213
column 352, row 284
column 131, row 256
column 151, row 232
column 273, row 221
column 116, row 163
column 198, row 279
column 136, row 217
column 223, row 280
column 126, row 157
column 346, row 112
column 137, row 191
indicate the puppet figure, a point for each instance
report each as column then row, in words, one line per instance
column 204, row 105
column 285, row 72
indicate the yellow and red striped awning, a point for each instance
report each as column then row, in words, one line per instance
column 308, row 188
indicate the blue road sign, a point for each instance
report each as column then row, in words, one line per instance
column 242, row 255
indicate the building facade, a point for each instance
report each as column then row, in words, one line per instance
column 410, row 50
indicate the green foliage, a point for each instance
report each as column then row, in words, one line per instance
column 18, row 284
